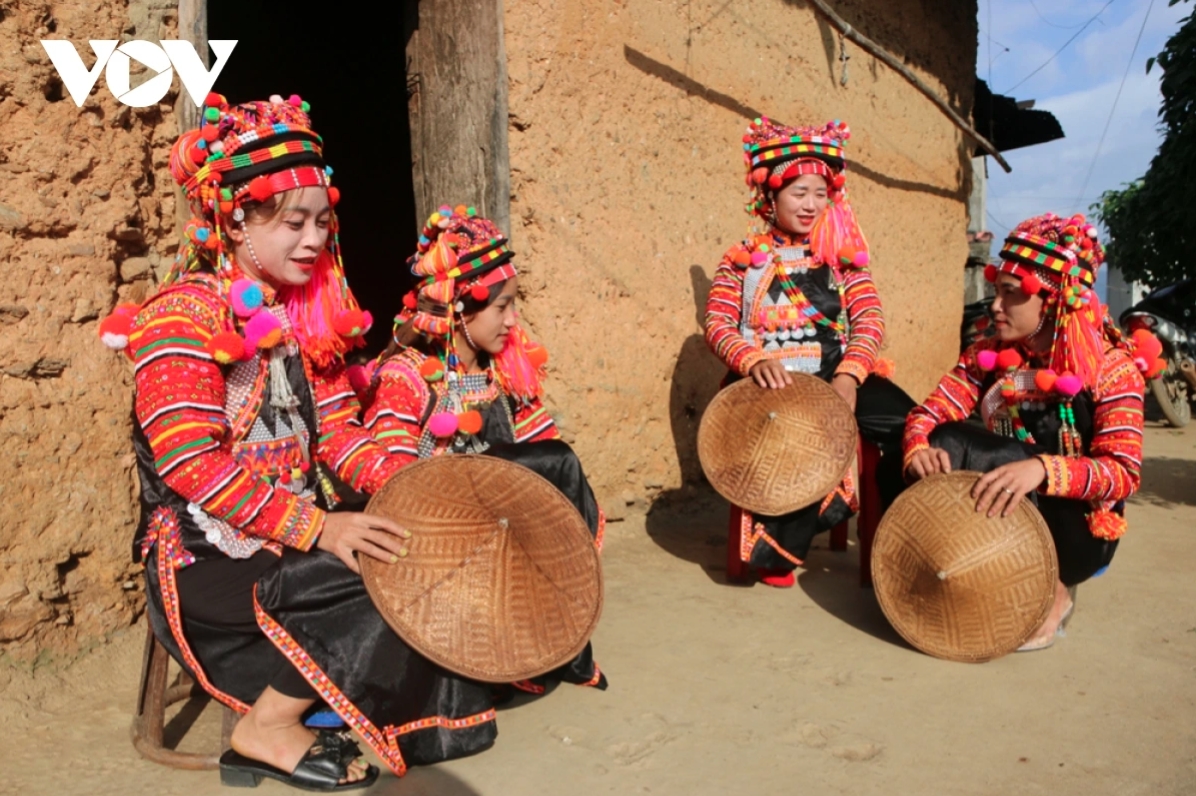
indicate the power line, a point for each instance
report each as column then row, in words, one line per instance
column 1061, row 49
column 1052, row 24
column 1112, row 109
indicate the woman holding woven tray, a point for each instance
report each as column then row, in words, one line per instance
column 799, row 298
column 1060, row 394
column 461, row 376
column 247, row 439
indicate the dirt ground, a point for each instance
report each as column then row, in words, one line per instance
column 718, row 689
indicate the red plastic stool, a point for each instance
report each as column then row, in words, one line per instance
column 738, row 570
column 870, row 511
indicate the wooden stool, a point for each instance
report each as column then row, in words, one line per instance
column 870, row 510
column 867, row 521
column 154, row 697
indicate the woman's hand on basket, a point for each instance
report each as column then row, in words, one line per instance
column 928, row 461
column 770, row 373
column 845, row 386
column 347, row 533
column 1000, row 491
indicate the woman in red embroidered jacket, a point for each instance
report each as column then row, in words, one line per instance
column 1060, row 400
column 462, row 377
column 247, row 437
column 799, row 297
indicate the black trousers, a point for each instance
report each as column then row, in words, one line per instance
column 973, row 447
column 219, row 592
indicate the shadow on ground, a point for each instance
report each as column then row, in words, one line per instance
column 422, row 781
column 1167, row 482
column 831, row 580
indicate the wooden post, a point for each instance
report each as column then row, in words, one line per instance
column 193, row 27
column 457, row 104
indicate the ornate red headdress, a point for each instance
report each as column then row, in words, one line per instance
column 461, row 258
column 776, row 154
column 1058, row 258
column 242, row 154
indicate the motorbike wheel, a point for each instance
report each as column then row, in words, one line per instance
column 1171, row 391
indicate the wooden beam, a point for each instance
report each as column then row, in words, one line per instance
column 882, row 54
column 457, row 105
column 193, row 27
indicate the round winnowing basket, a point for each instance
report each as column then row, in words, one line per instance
column 773, row 451
column 502, row 581
column 957, row 584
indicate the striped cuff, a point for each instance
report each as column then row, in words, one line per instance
column 920, row 444
column 750, row 359
column 1057, row 480
column 854, row 369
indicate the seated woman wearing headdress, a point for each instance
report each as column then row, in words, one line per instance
column 799, row 298
column 461, row 376
column 247, row 440
column 1060, row 395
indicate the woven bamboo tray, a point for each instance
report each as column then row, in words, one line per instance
column 773, row 451
column 956, row 584
column 503, row 580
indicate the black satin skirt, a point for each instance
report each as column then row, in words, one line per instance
column 556, row 462
column 973, row 447
column 881, row 407
column 313, row 616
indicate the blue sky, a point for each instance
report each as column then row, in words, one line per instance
column 1078, row 87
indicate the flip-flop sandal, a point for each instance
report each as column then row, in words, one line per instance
column 321, row 769
column 1034, row 645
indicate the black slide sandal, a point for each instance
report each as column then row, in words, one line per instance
column 320, row 770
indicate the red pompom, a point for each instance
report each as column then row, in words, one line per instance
column 537, row 355
column 1146, row 345
column 213, row 100
column 227, row 347
column 334, row 195
column 410, row 301
column 1157, row 368
column 198, row 156
column 759, row 175
column 839, row 180
column 775, row 181
column 259, row 188
column 210, row 133
column 1009, row 359
column 431, row 369
column 469, row 422
column 350, row 323
column 990, row 273
column 114, row 330
column 1045, row 380
column 1031, row 284
column 742, row 258
column 479, row 293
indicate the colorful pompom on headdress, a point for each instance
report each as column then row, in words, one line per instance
column 776, row 154
column 461, row 257
column 1058, row 258
column 246, row 154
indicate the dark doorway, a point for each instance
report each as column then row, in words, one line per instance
column 356, row 84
